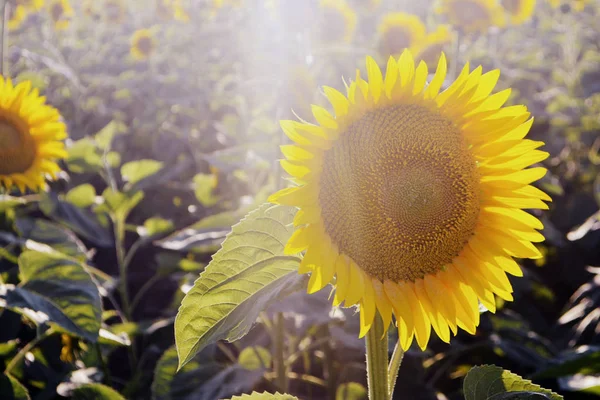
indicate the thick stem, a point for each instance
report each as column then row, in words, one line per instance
column 279, row 361
column 377, row 360
column 394, row 367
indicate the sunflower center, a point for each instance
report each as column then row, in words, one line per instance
column 512, row 6
column 17, row 151
column 470, row 14
column 399, row 192
column 144, row 45
column 57, row 11
column 334, row 24
column 395, row 40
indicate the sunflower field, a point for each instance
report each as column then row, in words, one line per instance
column 299, row 199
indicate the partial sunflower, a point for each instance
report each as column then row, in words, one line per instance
column 575, row 5
column 172, row 9
column 413, row 199
column 432, row 46
column 115, row 11
column 61, row 13
column 518, row 11
column 17, row 15
column 472, row 16
column 142, row 44
column 339, row 21
column 32, row 5
column 31, row 136
column 398, row 32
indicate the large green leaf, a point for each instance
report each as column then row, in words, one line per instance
column 82, row 196
column 53, row 235
column 11, row 389
column 264, row 396
column 55, row 288
column 95, row 391
column 489, row 382
column 247, row 272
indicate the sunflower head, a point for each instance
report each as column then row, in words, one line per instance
column 472, row 16
column 432, row 46
column 172, row 9
column 61, row 13
column 575, row 5
column 143, row 44
column 31, row 135
column 411, row 200
column 17, row 15
column 339, row 21
column 115, row 11
column 518, row 11
column 399, row 31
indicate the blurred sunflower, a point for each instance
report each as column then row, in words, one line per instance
column 575, row 5
column 61, row 13
column 519, row 11
column 31, row 135
column 399, row 31
column 412, row 199
column 172, row 9
column 339, row 21
column 115, row 11
column 472, row 16
column 142, row 44
column 33, row 5
column 430, row 48
column 17, row 15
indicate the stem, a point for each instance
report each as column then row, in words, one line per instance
column 4, row 39
column 394, row 367
column 123, row 291
column 330, row 370
column 377, row 360
column 279, row 361
column 19, row 356
column 140, row 294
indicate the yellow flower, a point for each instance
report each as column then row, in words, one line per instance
column 472, row 16
column 31, row 135
column 412, row 199
column 339, row 20
column 142, row 44
column 115, row 11
column 33, row 5
column 17, row 15
column 398, row 32
column 430, row 48
column 575, row 5
column 519, row 11
column 61, row 13
column 168, row 9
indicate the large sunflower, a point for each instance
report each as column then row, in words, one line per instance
column 472, row 16
column 432, row 45
column 412, row 199
column 399, row 31
column 518, row 11
column 339, row 21
column 31, row 135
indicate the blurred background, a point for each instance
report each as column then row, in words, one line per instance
column 180, row 99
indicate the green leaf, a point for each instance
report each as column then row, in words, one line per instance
column 265, row 396
column 95, row 391
column 169, row 384
column 205, row 184
column 156, row 225
column 254, row 357
column 7, row 202
column 105, row 137
column 243, row 277
column 135, row 171
column 84, row 156
column 51, row 234
column 82, row 196
column 120, row 204
column 55, row 288
column 351, row 391
column 586, row 362
column 488, row 382
column 11, row 389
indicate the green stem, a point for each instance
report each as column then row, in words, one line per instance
column 21, row 354
column 377, row 360
column 394, row 367
column 140, row 294
column 123, row 290
column 280, row 370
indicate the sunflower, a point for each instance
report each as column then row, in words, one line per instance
column 519, row 11
column 339, row 21
column 172, row 9
column 115, row 11
column 472, row 16
column 31, row 135
column 142, row 44
column 32, row 5
column 61, row 13
column 399, row 31
column 412, row 199
column 431, row 47
column 17, row 15
column 575, row 5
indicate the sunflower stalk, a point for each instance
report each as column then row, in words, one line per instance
column 394, row 367
column 377, row 360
